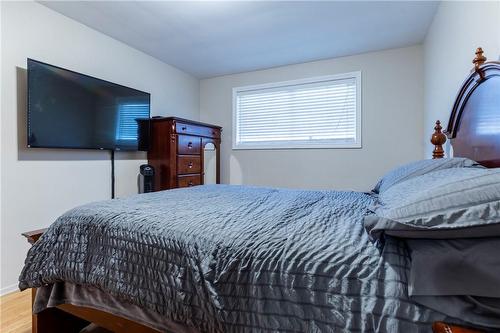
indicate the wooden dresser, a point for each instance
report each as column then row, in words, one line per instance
column 176, row 151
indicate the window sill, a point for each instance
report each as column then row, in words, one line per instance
column 319, row 146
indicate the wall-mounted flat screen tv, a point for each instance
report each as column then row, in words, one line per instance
column 72, row 110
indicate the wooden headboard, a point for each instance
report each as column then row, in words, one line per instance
column 474, row 125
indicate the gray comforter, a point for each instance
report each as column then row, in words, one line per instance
column 236, row 259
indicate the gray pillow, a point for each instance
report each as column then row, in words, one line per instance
column 450, row 203
column 418, row 168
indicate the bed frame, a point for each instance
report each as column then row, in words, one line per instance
column 474, row 124
column 474, row 132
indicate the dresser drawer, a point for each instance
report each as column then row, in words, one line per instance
column 182, row 128
column 188, row 164
column 188, row 181
column 188, row 145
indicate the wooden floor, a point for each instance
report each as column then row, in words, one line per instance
column 15, row 312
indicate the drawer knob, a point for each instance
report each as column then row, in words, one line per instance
column 190, row 183
column 190, row 145
column 184, row 128
column 190, row 164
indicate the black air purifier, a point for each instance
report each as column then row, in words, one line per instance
column 146, row 178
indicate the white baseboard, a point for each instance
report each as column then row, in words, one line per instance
column 8, row 289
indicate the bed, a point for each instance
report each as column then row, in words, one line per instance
column 222, row 258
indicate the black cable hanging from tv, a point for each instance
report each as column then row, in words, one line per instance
column 112, row 174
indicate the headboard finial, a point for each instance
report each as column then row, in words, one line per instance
column 479, row 59
column 438, row 139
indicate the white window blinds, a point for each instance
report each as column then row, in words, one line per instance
column 314, row 113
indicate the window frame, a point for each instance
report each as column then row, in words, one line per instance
column 356, row 75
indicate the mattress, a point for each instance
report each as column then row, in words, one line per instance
column 221, row 258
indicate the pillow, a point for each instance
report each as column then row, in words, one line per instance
column 450, row 203
column 419, row 168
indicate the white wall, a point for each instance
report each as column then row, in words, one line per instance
column 457, row 30
column 40, row 184
column 392, row 113
column 1, row 108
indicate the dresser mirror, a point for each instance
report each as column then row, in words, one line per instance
column 210, row 164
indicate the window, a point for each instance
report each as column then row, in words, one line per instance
column 127, row 124
column 321, row 112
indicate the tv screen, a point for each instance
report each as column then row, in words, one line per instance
column 71, row 110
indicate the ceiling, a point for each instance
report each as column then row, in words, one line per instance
column 212, row 38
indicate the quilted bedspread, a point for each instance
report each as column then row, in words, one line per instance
column 236, row 259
